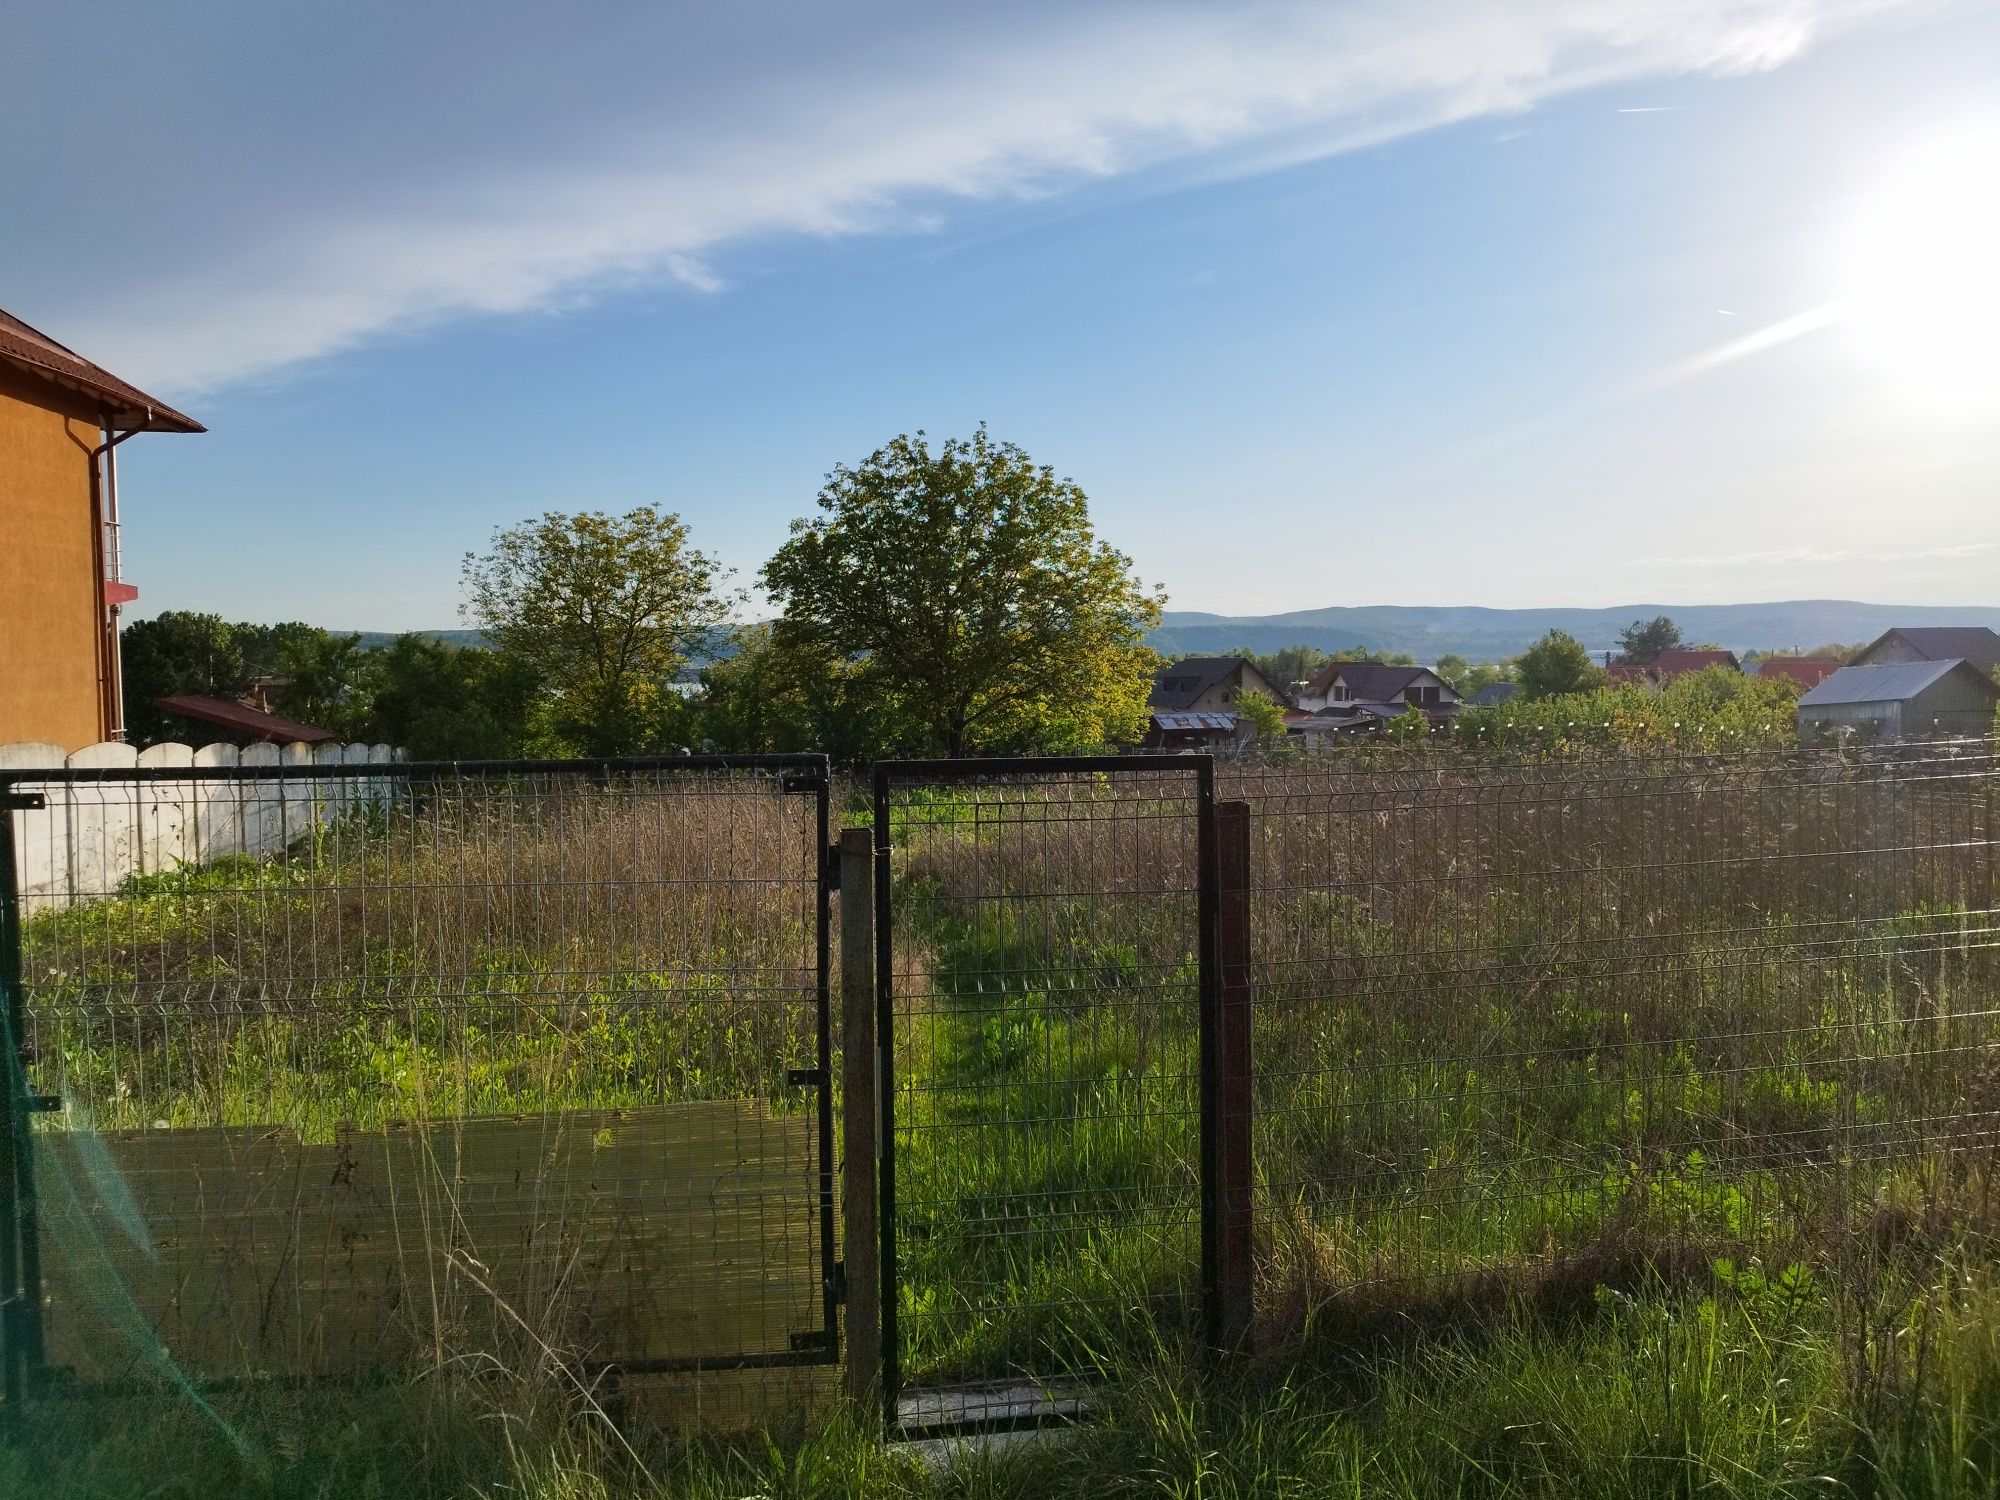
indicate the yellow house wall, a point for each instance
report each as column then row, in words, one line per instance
column 49, row 589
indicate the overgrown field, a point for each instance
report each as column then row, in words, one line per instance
column 1622, row 1126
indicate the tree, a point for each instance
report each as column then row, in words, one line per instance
column 440, row 702
column 1455, row 670
column 964, row 588
column 329, row 681
column 1266, row 715
column 177, row 651
column 265, row 646
column 1285, row 666
column 604, row 610
column 1641, row 642
column 1556, row 664
column 759, row 697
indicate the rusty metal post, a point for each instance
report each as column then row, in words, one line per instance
column 1234, row 1288
column 858, row 1118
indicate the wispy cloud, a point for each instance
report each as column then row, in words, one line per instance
column 1771, row 336
column 325, row 195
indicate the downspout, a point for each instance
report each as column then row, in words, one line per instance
column 112, row 571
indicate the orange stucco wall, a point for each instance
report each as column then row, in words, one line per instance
column 49, row 591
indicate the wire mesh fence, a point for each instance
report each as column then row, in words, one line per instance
column 1040, row 971
column 421, row 1064
column 1511, row 1012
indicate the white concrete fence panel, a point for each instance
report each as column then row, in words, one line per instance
column 93, row 835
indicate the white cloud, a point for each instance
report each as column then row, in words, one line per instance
column 539, row 168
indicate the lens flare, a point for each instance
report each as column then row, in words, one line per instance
column 1923, row 275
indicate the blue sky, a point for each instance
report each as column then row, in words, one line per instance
column 1419, row 302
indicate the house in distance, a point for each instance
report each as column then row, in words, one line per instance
column 1900, row 700
column 1193, row 704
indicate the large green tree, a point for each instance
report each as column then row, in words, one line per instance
column 1556, row 664
column 963, row 587
column 177, row 651
column 440, row 702
column 605, row 610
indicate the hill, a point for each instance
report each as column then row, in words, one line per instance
column 1479, row 634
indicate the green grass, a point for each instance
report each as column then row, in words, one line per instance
column 1531, row 1222
column 1724, row 1386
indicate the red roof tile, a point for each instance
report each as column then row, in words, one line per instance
column 1806, row 671
column 242, row 718
column 127, row 407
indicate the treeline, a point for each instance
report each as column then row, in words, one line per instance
column 947, row 598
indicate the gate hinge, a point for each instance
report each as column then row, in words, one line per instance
column 804, row 1078
column 801, row 782
column 23, row 801
column 837, row 1282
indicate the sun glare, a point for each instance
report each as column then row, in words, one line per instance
column 1922, row 291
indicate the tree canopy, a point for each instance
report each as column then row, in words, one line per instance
column 605, row 610
column 1641, row 642
column 963, row 594
column 1556, row 664
column 177, row 651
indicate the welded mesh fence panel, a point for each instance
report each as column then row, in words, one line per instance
column 427, row 1064
column 1043, row 969
column 1511, row 1011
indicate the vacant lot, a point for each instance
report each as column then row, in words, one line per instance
column 1623, row 1124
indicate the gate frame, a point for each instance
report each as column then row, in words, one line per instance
column 23, row 1367
column 1208, row 910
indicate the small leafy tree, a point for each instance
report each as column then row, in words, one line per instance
column 1556, row 664
column 1265, row 715
column 1641, row 642
column 605, row 611
column 964, row 590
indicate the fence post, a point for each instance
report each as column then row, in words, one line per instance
column 20, row 1257
column 857, row 1096
column 1233, row 1292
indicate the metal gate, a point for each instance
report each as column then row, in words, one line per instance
column 325, row 1068
column 1045, row 978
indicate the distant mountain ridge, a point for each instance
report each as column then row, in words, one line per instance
column 1480, row 634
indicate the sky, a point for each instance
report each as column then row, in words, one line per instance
column 1503, row 302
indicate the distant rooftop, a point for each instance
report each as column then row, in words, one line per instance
column 1888, row 682
column 1975, row 643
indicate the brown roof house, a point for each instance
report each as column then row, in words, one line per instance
column 1807, row 671
column 61, row 583
column 1671, row 664
column 1358, row 697
column 1193, row 702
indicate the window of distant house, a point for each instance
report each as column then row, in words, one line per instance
column 1340, row 695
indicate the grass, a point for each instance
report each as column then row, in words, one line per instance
column 1624, row 1127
